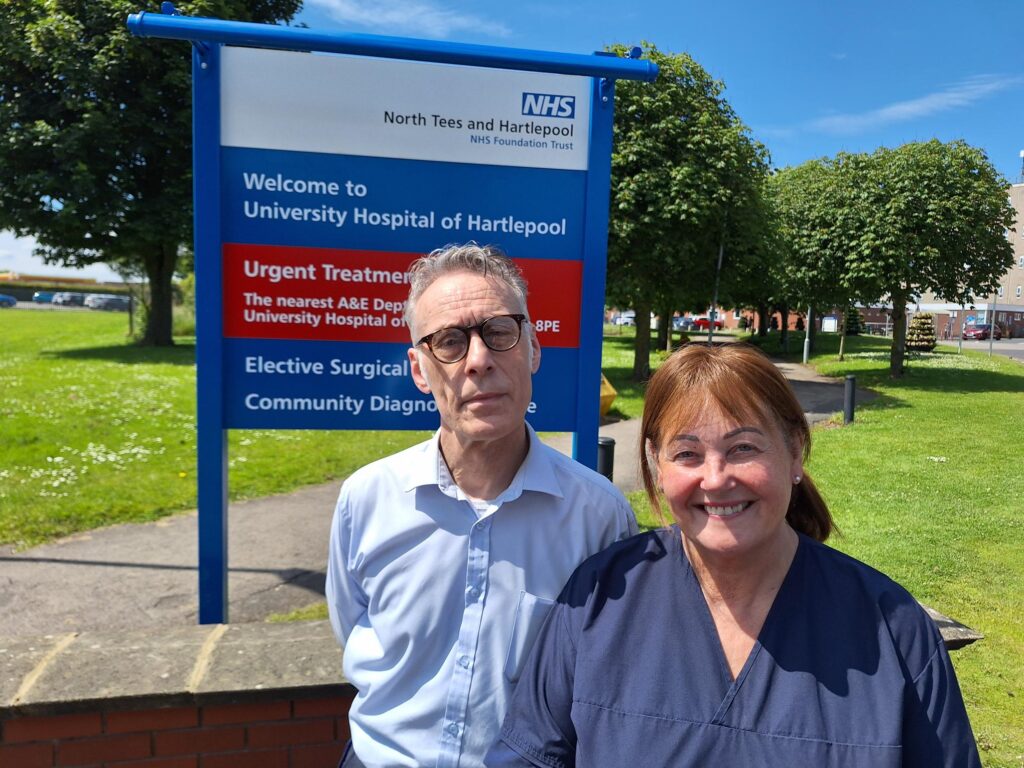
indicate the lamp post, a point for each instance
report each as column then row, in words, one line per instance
column 714, row 296
column 992, row 326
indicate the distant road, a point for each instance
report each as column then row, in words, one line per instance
column 1012, row 348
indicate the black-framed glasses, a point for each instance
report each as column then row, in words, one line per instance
column 499, row 333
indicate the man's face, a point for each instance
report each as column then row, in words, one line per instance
column 484, row 396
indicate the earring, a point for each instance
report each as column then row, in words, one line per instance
column 797, row 479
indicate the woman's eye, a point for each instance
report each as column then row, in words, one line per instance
column 744, row 449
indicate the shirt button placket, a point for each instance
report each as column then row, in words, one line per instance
column 478, row 560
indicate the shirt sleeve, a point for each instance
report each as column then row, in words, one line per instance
column 538, row 729
column 936, row 730
column 346, row 601
column 632, row 529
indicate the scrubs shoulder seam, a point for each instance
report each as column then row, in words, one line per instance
column 927, row 665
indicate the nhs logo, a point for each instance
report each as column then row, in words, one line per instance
column 548, row 105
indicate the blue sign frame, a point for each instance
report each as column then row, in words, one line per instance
column 208, row 36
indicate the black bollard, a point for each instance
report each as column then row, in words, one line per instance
column 605, row 455
column 849, row 396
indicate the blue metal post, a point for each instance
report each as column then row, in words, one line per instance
column 211, row 435
column 595, row 250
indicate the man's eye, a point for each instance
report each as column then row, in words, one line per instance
column 447, row 340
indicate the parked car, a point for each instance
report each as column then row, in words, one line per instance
column 42, row 297
column 626, row 318
column 68, row 299
column 111, row 303
column 92, row 299
column 981, row 331
column 683, row 323
column 702, row 323
column 7, row 301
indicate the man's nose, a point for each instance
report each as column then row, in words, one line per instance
column 479, row 357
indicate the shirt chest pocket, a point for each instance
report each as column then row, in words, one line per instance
column 530, row 614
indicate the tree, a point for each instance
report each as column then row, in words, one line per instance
column 924, row 217
column 938, row 223
column 820, row 212
column 95, row 135
column 684, row 171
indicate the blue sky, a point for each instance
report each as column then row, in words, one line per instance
column 809, row 79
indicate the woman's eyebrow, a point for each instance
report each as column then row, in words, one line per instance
column 741, row 430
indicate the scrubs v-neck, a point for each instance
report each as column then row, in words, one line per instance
column 848, row 671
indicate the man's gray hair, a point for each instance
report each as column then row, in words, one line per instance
column 486, row 260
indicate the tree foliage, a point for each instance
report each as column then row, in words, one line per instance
column 95, row 135
column 925, row 217
column 684, row 169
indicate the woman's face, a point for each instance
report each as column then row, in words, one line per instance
column 728, row 485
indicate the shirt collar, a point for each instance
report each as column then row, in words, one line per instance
column 535, row 474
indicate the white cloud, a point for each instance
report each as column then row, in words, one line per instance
column 956, row 96
column 415, row 17
column 16, row 256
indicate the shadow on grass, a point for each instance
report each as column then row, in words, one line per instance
column 130, row 354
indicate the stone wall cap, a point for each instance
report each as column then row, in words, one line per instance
column 171, row 666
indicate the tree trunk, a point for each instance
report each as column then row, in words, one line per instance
column 811, row 328
column 665, row 330
column 642, row 345
column 899, row 336
column 160, row 263
column 784, row 328
column 763, row 319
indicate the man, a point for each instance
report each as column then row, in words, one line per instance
column 445, row 558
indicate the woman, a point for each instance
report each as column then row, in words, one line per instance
column 734, row 637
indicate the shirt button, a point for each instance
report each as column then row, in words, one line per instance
column 453, row 729
column 473, row 592
column 464, row 662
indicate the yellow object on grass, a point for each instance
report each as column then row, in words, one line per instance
column 608, row 394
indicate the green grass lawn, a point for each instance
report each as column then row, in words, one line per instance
column 95, row 431
column 926, row 484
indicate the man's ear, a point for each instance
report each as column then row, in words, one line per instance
column 419, row 376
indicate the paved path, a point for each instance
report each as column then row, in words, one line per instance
column 134, row 575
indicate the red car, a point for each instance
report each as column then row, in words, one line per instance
column 981, row 331
column 702, row 323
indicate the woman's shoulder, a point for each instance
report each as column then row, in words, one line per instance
column 853, row 586
column 621, row 563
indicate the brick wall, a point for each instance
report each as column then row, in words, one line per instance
column 213, row 696
column 276, row 733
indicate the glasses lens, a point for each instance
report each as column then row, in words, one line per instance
column 500, row 333
column 449, row 344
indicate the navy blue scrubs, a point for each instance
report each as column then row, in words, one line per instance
column 848, row 671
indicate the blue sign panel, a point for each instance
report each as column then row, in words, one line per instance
column 320, row 178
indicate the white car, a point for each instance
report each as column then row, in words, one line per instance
column 96, row 300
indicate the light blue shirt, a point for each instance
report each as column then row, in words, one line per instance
column 438, row 601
